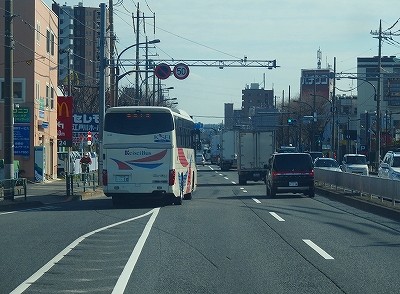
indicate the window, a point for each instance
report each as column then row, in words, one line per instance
column 47, row 41
column 140, row 123
column 37, row 90
column 52, row 44
column 38, row 32
column 50, row 38
column 47, row 95
column 18, row 89
column 51, row 98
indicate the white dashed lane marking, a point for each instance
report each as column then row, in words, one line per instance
column 319, row 250
column 275, row 215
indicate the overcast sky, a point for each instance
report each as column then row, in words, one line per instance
column 290, row 31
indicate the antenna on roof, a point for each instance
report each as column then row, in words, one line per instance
column 319, row 56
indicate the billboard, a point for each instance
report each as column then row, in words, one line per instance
column 84, row 123
column 64, row 121
column 315, row 82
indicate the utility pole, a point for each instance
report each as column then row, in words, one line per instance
column 102, row 85
column 114, row 96
column 8, row 101
column 378, row 97
column 333, row 109
column 137, row 93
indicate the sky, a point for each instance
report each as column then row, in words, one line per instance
column 288, row 31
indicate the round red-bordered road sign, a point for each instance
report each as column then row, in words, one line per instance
column 181, row 71
column 162, row 71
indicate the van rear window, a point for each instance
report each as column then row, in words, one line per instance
column 289, row 162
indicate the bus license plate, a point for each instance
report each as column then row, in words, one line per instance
column 293, row 184
column 122, row 179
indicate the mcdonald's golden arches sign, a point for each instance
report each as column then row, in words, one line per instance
column 64, row 121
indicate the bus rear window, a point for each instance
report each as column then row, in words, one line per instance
column 138, row 123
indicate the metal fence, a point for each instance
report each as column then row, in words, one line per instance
column 13, row 187
column 373, row 186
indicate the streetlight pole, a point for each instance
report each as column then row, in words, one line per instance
column 136, row 70
column 301, row 120
column 152, row 95
column 333, row 118
column 378, row 116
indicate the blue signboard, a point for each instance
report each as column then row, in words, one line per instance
column 22, row 139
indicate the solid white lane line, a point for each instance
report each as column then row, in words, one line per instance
column 275, row 215
column 256, row 200
column 318, row 249
column 130, row 265
column 32, row 279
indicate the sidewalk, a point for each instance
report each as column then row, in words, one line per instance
column 46, row 193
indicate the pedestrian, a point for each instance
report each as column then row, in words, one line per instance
column 85, row 162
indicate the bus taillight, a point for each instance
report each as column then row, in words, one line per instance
column 105, row 178
column 171, row 179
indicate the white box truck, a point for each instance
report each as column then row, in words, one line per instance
column 254, row 150
column 215, row 147
column 228, row 151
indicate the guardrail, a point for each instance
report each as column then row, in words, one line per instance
column 14, row 187
column 87, row 181
column 384, row 189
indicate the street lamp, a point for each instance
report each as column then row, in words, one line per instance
column 333, row 119
column 169, row 99
column 118, row 77
column 301, row 122
column 378, row 116
column 153, row 94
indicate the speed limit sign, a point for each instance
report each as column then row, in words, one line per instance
column 181, row 71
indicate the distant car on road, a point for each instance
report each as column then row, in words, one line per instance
column 390, row 166
column 355, row 163
column 200, row 159
column 327, row 163
column 315, row 154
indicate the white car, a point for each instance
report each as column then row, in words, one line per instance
column 355, row 163
column 390, row 166
column 200, row 159
column 327, row 163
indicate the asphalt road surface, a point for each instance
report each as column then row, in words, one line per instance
column 227, row 239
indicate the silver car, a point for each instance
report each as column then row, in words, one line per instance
column 390, row 166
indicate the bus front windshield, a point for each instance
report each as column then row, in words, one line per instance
column 138, row 123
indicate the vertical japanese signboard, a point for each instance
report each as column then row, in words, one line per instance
column 64, row 121
column 22, row 140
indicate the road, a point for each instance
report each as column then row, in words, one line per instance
column 227, row 239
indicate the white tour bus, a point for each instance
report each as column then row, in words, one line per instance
column 148, row 151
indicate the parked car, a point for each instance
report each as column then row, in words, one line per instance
column 200, row 159
column 290, row 173
column 327, row 163
column 390, row 166
column 355, row 163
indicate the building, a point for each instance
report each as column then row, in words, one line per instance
column 79, row 65
column 255, row 97
column 367, row 87
column 35, row 67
